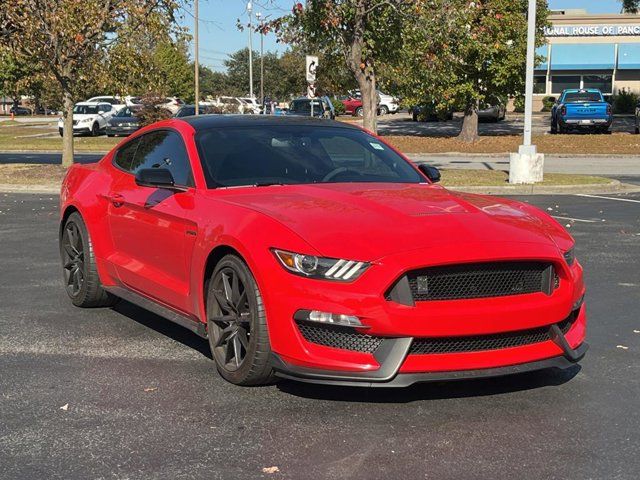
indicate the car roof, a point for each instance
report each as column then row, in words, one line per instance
column 581, row 90
column 203, row 122
column 90, row 103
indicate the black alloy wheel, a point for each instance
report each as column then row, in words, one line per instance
column 80, row 275
column 236, row 324
column 95, row 130
column 73, row 259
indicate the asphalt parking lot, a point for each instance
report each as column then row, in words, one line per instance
column 121, row 393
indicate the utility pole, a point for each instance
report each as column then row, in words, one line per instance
column 249, row 9
column 527, row 165
column 196, row 60
column 261, row 20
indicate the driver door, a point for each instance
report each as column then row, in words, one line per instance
column 152, row 229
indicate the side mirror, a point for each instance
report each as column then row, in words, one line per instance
column 432, row 173
column 157, row 178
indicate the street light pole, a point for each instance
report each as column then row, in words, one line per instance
column 249, row 9
column 259, row 15
column 526, row 166
column 196, row 59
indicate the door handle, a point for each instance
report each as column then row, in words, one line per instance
column 117, row 200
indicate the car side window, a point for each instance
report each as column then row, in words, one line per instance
column 164, row 149
column 124, row 157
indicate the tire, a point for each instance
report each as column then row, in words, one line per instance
column 384, row 110
column 61, row 132
column 237, row 323
column 637, row 131
column 110, row 135
column 359, row 112
column 414, row 116
column 80, row 275
column 95, row 130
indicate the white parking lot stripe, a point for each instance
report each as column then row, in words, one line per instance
column 607, row 198
column 574, row 219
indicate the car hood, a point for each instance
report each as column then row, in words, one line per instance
column 370, row 221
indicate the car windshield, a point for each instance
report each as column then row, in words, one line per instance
column 85, row 109
column 304, row 106
column 125, row 112
column 581, row 97
column 298, row 154
column 187, row 111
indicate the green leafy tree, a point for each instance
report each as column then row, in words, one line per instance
column 630, row 6
column 70, row 39
column 461, row 53
column 363, row 33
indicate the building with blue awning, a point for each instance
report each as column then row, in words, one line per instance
column 585, row 50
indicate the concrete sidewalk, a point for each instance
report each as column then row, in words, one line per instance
column 610, row 165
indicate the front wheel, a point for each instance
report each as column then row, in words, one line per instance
column 80, row 274
column 384, row 110
column 95, row 130
column 359, row 112
column 237, row 324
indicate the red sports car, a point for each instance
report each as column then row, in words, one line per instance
column 310, row 249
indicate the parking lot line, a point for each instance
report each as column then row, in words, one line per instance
column 574, row 219
column 608, row 198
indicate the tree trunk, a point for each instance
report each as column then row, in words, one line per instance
column 469, row 131
column 367, row 84
column 67, row 134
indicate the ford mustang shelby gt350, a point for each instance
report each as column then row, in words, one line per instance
column 311, row 249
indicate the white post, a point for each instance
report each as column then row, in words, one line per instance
column 197, row 60
column 526, row 166
column 249, row 8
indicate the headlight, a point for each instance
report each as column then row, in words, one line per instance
column 86, row 120
column 318, row 267
column 569, row 256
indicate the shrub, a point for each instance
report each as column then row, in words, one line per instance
column 547, row 103
column 151, row 110
column 338, row 106
column 518, row 104
column 624, row 102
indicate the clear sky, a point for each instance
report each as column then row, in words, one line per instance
column 219, row 35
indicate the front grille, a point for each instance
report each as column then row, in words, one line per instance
column 334, row 336
column 480, row 280
column 478, row 343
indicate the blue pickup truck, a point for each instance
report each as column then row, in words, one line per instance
column 578, row 109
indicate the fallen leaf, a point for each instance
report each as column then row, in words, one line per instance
column 150, row 389
column 270, row 470
column 65, row 407
column 622, row 347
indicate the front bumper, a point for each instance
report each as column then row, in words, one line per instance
column 391, row 378
column 121, row 130
column 394, row 362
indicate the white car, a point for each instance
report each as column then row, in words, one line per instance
column 173, row 104
column 388, row 103
column 231, row 105
column 116, row 102
column 89, row 118
column 252, row 103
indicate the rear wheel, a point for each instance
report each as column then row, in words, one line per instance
column 359, row 112
column 237, row 324
column 81, row 279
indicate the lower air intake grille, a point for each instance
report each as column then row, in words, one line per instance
column 480, row 280
column 478, row 343
column 334, row 336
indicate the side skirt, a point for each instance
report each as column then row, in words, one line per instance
column 181, row 319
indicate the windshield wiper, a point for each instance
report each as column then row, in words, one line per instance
column 266, row 184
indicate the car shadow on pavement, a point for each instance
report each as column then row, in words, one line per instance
column 163, row 326
column 433, row 390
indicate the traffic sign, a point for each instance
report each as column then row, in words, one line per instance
column 312, row 65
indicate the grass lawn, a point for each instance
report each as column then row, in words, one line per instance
column 41, row 137
column 51, row 175
column 616, row 143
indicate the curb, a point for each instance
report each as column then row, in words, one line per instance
column 615, row 186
